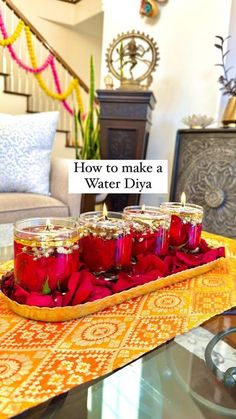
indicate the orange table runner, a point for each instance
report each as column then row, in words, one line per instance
column 40, row 360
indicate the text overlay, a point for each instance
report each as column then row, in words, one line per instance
column 118, row 176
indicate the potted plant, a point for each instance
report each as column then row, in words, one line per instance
column 88, row 125
column 228, row 84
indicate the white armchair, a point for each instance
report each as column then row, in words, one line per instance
column 19, row 205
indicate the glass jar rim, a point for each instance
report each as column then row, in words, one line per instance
column 178, row 205
column 69, row 226
column 155, row 212
column 93, row 214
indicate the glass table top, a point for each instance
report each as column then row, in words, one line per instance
column 6, row 240
column 170, row 382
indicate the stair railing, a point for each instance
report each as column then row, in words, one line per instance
column 19, row 81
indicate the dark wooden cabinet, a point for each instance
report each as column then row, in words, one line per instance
column 125, row 120
column 205, row 168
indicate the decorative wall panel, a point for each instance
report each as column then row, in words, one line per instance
column 205, row 168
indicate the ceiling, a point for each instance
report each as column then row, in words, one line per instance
column 92, row 26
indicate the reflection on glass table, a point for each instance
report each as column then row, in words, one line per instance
column 6, row 240
column 171, row 382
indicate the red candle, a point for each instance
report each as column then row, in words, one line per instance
column 46, row 253
column 186, row 223
column 105, row 242
column 150, row 230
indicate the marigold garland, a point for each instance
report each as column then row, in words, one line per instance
column 11, row 39
column 79, row 98
column 17, row 59
column 74, row 84
column 58, row 86
column 58, row 96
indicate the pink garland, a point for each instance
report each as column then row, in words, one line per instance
column 17, row 59
column 49, row 62
column 58, row 87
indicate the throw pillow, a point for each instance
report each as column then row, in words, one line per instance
column 25, row 151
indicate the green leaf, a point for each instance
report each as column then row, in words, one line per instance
column 90, row 127
column 46, row 289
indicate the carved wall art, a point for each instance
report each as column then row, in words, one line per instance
column 205, row 168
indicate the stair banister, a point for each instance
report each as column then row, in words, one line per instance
column 58, row 57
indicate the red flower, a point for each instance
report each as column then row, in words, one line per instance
column 178, row 231
column 26, row 273
column 194, row 235
column 57, row 298
column 19, row 294
column 124, row 282
column 97, row 253
column 101, row 288
column 7, row 283
column 123, row 250
column 79, row 288
column 203, row 246
column 143, row 244
column 84, row 288
column 32, row 274
column 149, row 263
column 39, row 300
column 59, row 268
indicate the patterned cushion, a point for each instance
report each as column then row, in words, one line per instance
column 25, row 150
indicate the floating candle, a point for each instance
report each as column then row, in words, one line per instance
column 186, row 223
column 46, row 253
column 150, row 229
column 105, row 242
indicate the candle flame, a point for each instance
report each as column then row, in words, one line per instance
column 48, row 225
column 143, row 208
column 183, row 199
column 104, row 212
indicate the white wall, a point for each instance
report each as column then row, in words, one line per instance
column 186, row 79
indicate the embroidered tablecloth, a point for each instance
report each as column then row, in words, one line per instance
column 40, row 360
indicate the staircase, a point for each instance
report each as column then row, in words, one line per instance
column 23, row 83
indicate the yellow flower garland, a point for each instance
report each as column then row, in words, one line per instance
column 78, row 97
column 14, row 36
column 74, row 84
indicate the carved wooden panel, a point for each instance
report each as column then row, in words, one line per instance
column 205, row 168
column 130, row 110
column 122, row 143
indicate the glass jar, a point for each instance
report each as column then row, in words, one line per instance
column 46, row 253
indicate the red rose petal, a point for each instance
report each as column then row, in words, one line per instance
column 99, row 292
column 124, row 282
column 57, row 298
column 149, row 263
column 84, row 288
column 19, row 294
column 73, row 283
column 39, row 300
column 178, row 231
